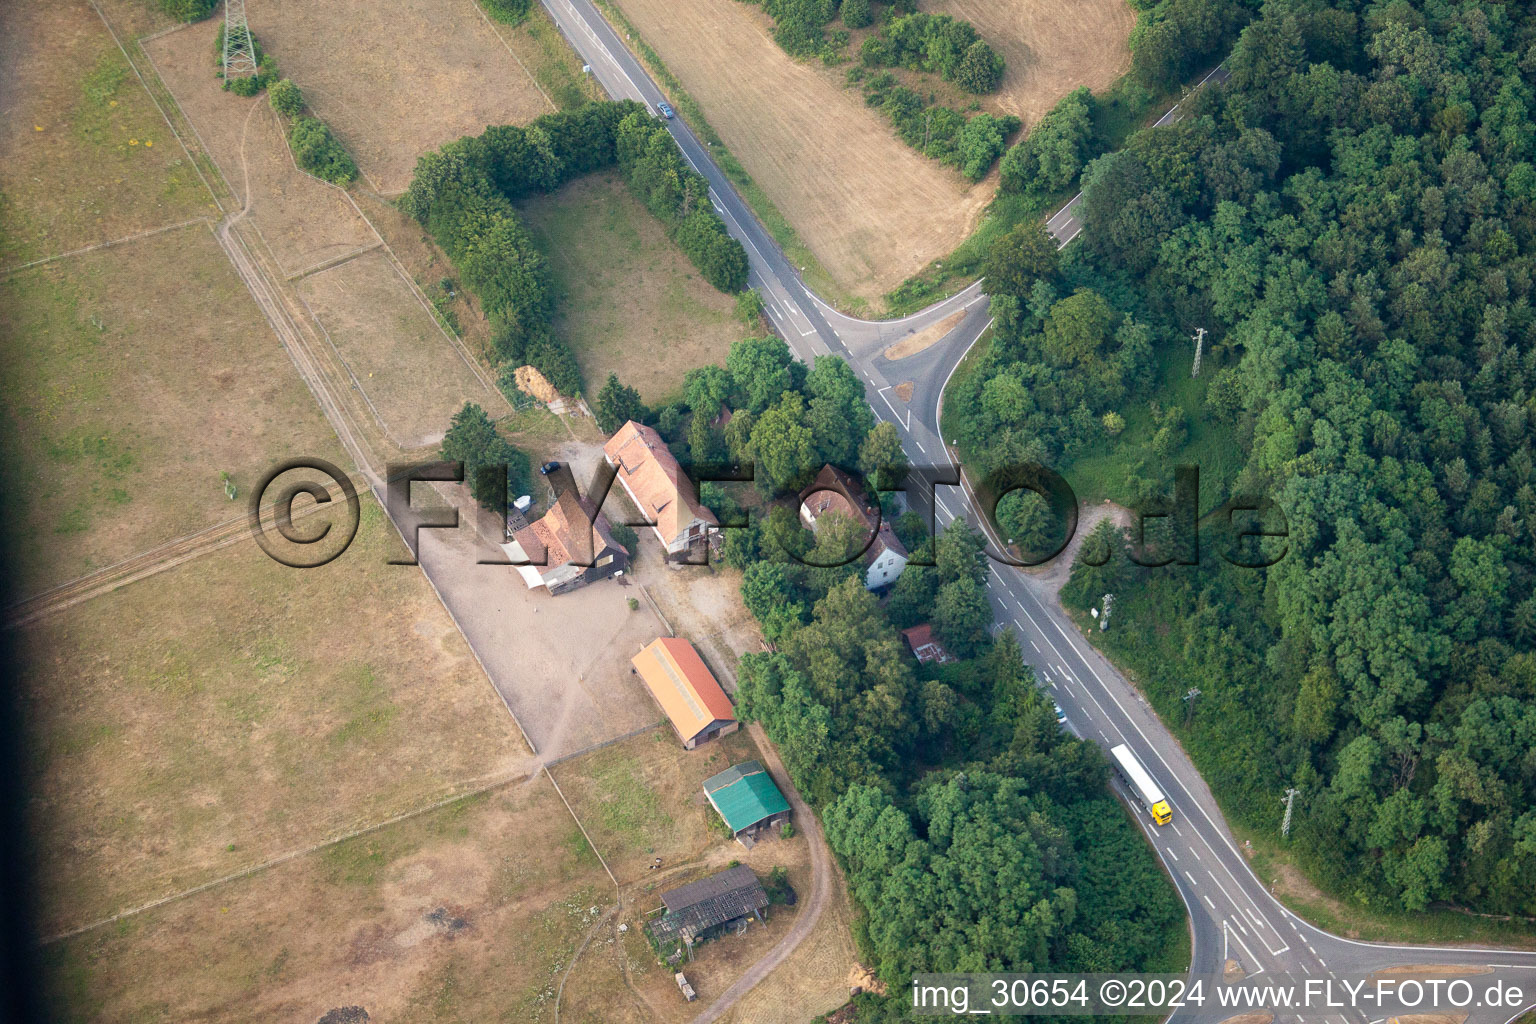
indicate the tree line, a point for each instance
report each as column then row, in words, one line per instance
column 1352, row 218
column 463, row 194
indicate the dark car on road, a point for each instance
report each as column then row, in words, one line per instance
column 548, row 468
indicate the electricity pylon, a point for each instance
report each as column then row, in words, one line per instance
column 239, row 52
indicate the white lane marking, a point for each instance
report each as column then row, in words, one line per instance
column 1171, row 853
column 1252, row 959
column 1031, row 643
column 1191, row 878
column 1208, row 901
column 940, row 502
column 1196, row 853
column 1176, row 829
column 919, row 444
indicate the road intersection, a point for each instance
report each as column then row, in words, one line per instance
column 1233, row 915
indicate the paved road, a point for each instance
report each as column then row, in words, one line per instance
column 1231, row 911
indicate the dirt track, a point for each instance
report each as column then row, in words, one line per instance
column 821, row 887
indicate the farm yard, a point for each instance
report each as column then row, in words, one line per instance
column 264, row 770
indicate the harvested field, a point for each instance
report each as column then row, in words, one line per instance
column 468, row 913
column 872, row 210
column 396, row 78
column 630, row 302
column 1051, row 47
column 303, row 221
column 411, row 373
column 232, row 709
column 84, row 155
column 147, row 371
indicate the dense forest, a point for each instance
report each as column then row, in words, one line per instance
column 975, row 832
column 1351, row 218
column 463, row 195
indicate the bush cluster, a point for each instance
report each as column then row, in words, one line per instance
column 950, row 48
column 187, row 10
column 318, row 152
column 508, row 12
column 679, row 198
column 970, row 144
column 1048, row 159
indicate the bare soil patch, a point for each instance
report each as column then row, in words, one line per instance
column 232, row 709
column 630, row 302
column 1051, row 47
column 302, row 220
column 84, row 155
column 917, row 341
column 467, row 913
column 411, row 373
column 872, row 210
column 135, row 376
column 396, row 78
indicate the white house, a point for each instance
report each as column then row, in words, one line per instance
column 834, row 491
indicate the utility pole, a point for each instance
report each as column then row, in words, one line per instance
column 1285, row 825
column 1199, row 344
column 1189, row 703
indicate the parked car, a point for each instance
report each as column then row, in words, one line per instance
column 548, row 468
column 665, row 109
column 1061, row 716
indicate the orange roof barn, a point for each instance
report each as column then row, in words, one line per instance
column 686, row 690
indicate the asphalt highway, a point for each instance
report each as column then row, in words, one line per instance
column 1232, row 913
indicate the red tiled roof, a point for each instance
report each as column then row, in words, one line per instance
column 565, row 534
column 652, row 477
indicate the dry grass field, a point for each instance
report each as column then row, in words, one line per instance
column 398, row 356
column 630, row 302
column 147, row 371
column 84, row 155
column 467, row 913
column 303, row 221
column 1051, row 47
column 871, row 209
column 233, row 709
column 643, row 798
column 396, row 78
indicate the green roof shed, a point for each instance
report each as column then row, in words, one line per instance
column 745, row 796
